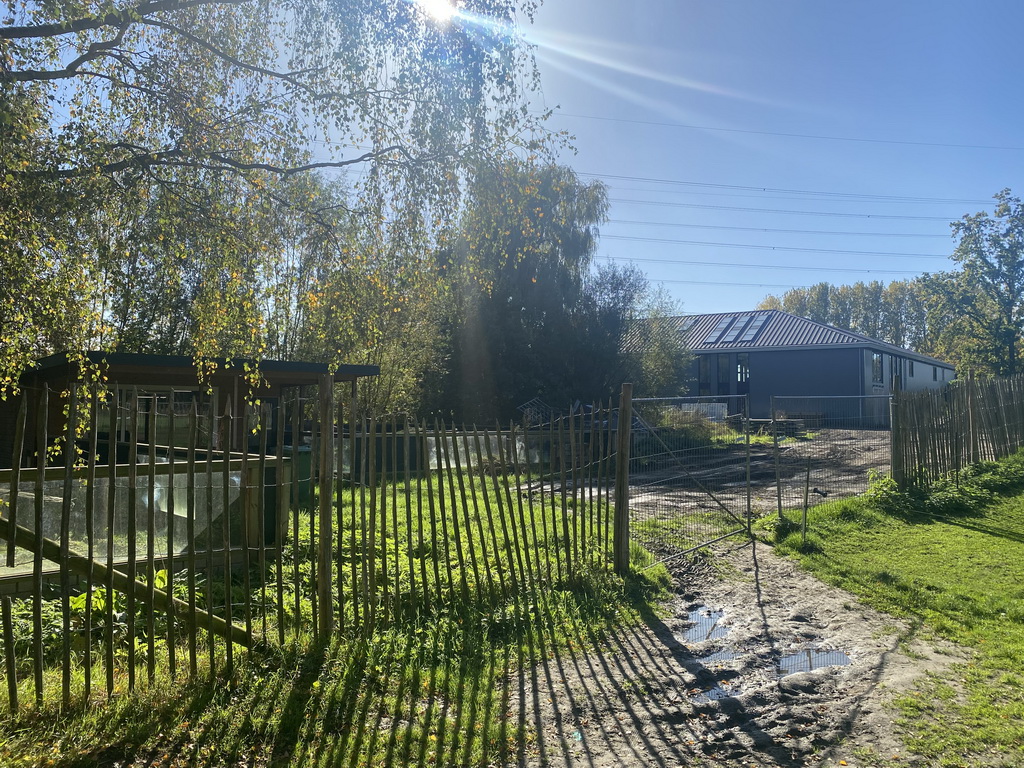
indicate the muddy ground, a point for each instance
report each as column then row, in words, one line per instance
column 834, row 464
column 721, row 679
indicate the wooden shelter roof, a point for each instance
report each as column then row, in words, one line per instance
column 132, row 369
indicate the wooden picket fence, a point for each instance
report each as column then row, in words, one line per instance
column 150, row 536
column 940, row 431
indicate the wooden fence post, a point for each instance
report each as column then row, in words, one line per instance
column 778, row 472
column 896, row 440
column 620, row 545
column 325, row 527
column 972, row 427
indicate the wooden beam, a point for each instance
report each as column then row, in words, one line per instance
column 83, row 566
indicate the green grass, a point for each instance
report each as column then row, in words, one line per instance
column 430, row 684
column 951, row 562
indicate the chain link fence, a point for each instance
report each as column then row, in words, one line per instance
column 689, row 471
column 828, row 448
column 700, row 468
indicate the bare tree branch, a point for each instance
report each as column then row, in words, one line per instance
column 118, row 19
column 95, row 51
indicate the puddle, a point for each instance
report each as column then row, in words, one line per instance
column 718, row 657
column 705, row 625
column 809, row 659
column 717, row 693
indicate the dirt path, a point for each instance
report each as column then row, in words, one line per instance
column 702, row 686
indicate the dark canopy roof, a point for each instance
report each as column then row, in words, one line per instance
column 178, row 370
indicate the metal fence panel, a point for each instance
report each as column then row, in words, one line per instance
column 829, row 447
column 689, row 471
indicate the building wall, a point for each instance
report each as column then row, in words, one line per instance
column 787, row 373
column 812, row 373
column 802, row 373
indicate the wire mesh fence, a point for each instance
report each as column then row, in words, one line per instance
column 690, row 463
column 828, row 448
column 700, row 468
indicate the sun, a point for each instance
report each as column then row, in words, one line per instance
column 439, row 10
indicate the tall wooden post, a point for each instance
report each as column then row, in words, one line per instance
column 778, row 472
column 620, row 543
column 972, row 427
column 326, row 527
column 897, row 470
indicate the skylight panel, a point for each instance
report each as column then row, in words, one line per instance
column 754, row 328
column 736, row 329
column 719, row 329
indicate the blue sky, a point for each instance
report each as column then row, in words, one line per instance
column 712, row 121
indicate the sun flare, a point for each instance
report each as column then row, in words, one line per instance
column 439, row 10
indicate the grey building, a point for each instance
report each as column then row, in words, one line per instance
column 766, row 353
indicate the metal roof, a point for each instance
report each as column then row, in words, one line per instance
column 773, row 329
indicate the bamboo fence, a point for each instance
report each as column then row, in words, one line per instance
column 147, row 539
column 938, row 432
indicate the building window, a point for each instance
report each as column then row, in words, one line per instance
column 877, row 376
column 910, row 369
column 743, row 373
column 742, row 368
column 935, row 373
column 723, row 375
column 704, row 375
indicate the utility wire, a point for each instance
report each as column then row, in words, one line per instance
column 775, row 247
column 765, row 266
column 781, row 210
column 848, row 196
column 730, row 285
column 773, row 231
column 821, row 137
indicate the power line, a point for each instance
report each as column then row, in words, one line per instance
column 849, row 196
column 773, row 231
column 821, row 137
column 775, row 247
column 781, row 210
column 731, row 285
column 707, row 194
column 765, row 266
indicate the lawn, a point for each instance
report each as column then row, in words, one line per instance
column 468, row 596
column 952, row 562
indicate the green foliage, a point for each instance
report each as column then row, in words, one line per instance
column 971, row 316
column 979, row 310
column 894, row 313
column 528, row 315
column 779, row 527
column 160, row 191
column 961, row 493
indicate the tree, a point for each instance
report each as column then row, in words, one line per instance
column 530, row 315
column 180, row 118
column 248, row 85
column 651, row 352
column 979, row 309
column 894, row 313
column 517, row 274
